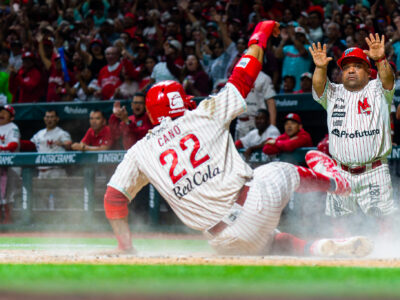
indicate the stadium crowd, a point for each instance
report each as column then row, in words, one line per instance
column 105, row 49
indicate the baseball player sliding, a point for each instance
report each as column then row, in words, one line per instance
column 190, row 158
column 359, row 127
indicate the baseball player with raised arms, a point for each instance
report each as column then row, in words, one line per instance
column 359, row 128
column 191, row 159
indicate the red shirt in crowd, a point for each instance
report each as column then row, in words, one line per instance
column 284, row 143
column 109, row 77
column 102, row 138
column 132, row 132
column 56, row 80
column 26, row 86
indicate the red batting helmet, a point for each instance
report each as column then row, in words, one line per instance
column 353, row 53
column 167, row 99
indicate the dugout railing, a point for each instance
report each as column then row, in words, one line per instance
column 90, row 163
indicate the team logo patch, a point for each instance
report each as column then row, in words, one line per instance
column 175, row 100
column 364, row 107
column 139, row 123
column 348, row 51
column 243, row 62
column 338, row 114
column 336, row 132
column 50, row 143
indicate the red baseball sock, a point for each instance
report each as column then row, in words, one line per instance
column 313, row 182
column 288, row 244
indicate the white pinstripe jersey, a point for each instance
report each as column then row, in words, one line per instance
column 358, row 122
column 192, row 161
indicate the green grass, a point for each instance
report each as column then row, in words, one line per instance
column 187, row 280
column 194, row 280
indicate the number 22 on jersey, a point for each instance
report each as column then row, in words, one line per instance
column 175, row 159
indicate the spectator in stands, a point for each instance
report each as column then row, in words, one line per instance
column 315, row 19
column 5, row 94
column 25, row 84
column 223, row 53
column 144, row 75
column 289, row 83
column 128, row 88
column 294, row 137
column 131, row 128
column 58, row 81
column 109, row 76
column 255, row 139
column 98, row 137
column 260, row 97
column 49, row 140
column 9, row 142
column 15, row 60
column 171, row 68
column 305, row 83
column 195, row 81
column 95, row 57
column 292, row 49
column 86, row 87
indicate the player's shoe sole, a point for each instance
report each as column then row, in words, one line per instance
column 321, row 163
column 358, row 246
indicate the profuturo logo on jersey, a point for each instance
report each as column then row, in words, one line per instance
column 175, row 100
column 355, row 134
column 364, row 107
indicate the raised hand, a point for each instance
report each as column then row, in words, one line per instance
column 376, row 46
column 319, row 55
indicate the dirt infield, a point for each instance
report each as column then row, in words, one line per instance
column 91, row 256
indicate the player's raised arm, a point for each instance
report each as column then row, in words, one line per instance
column 246, row 70
column 321, row 62
column 377, row 53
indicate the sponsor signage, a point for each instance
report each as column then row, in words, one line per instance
column 355, row 134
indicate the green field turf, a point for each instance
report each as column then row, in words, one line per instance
column 188, row 280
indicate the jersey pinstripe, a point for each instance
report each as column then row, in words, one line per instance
column 191, row 161
column 358, row 122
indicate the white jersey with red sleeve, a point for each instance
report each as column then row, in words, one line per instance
column 358, row 122
column 192, row 161
column 9, row 133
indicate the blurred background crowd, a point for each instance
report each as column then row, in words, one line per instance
column 66, row 50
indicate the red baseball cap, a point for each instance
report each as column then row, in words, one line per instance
column 28, row 54
column 8, row 108
column 294, row 117
column 353, row 53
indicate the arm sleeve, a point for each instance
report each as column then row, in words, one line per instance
column 270, row 149
column 388, row 94
column 323, row 100
column 86, row 138
column 114, row 124
column 302, row 140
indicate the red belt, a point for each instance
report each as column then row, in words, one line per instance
column 221, row 225
column 244, row 119
column 361, row 169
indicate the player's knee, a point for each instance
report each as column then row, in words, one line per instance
column 115, row 204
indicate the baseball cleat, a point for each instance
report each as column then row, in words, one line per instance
column 358, row 246
column 321, row 163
